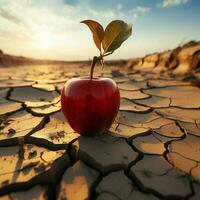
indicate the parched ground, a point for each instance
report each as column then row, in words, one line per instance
column 151, row 152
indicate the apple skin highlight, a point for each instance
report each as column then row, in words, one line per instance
column 90, row 105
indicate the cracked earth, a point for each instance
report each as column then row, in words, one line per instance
column 151, row 152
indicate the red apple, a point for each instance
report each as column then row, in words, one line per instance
column 90, row 105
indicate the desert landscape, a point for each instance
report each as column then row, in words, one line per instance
column 99, row 100
column 151, row 151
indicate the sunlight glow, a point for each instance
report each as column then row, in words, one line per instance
column 44, row 39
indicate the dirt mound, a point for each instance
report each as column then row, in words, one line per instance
column 181, row 60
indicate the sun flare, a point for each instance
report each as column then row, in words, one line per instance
column 44, row 39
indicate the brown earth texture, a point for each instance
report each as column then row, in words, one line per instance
column 151, row 152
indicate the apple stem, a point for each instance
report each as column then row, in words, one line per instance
column 95, row 59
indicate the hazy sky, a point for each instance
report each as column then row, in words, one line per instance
column 51, row 28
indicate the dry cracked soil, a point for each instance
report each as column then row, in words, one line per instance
column 151, row 152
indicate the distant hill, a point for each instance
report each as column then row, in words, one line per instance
column 181, row 60
column 8, row 60
column 12, row 60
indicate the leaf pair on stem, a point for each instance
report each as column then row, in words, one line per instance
column 109, row 40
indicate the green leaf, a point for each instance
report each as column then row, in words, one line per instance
column 115, row 34
column 97, row 32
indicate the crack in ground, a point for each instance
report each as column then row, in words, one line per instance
column 29, row 110
column 7, row 97
column 9, row 93
column 192, row 168
column 140, row 186
column 14, row 141
column 182, row 129
column 185, row 156
column 173, row 138
column 170, row 101
column 193, row 192
column 153, row 134
column 117, row 126
column 167, row 151
column 197, row 125
column 166, row 144
column 40, row 179
column 142, row 91
column 139, row 157
column 111, row 193
column 93, row 192
column 70, row 152
column 40, row 126
column 153, row 108
column 144, row 105
column 144, row 189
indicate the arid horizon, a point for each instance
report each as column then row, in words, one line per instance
column 51, row 29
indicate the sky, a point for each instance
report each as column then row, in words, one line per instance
column 51, row 28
